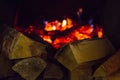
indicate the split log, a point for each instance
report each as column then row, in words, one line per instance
column 5, row 67
column 76, row 53
column 30, row 68
column 16, row 45
column 53, row 71
column 108, row 67
column 81, row 74
column 114, row 76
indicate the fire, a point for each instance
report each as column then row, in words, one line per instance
column 64, row 23
column 84, row 32
column 59, row 26
column 47, row 38
column 71, row 31
column 100, row 33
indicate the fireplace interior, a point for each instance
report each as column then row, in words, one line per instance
column 26, row 53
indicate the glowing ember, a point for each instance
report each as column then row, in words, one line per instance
column 47, row 38
column 61, row 26
column 59, row 33
column 100, row 33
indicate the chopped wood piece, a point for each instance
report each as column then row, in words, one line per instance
column 5, row 67
column 110, row 66
column 30, row 68
column 77, row 53
column 81, row 74
column 16, row 45
column 114, row 76
column 53, row 71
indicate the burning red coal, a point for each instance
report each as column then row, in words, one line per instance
column 59, row 33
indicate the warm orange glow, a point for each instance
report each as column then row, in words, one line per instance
column 52, row 26
column 83, row 32
column 86, row 29
column 51, row 31
column 56, row 25
column 47, row 38
column 81, row 36
column 64, row 23
column 100, row 33
column 62, row 40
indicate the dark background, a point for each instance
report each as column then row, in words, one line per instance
column 104, row 12
column 30, row 10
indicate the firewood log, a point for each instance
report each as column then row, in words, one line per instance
column 16, row 45
column 114, row 76
column 53, row 71
column 76, row 53
column 81, row 74
column 30, row 68
column 110, row 66
column 5, row 67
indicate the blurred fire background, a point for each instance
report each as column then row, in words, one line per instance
column 103, row 12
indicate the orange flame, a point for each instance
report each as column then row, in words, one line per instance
column 83, row 32
column 100, row 33
column 77, row 33
column 47, row 38
column 56, row 25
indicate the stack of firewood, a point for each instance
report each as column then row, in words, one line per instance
column 22, row 58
